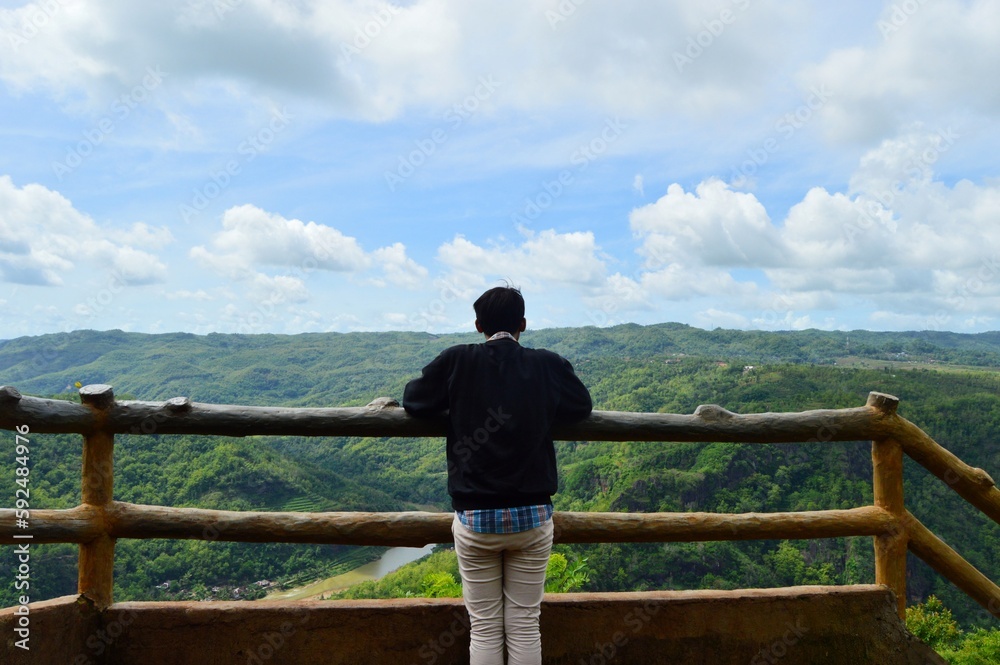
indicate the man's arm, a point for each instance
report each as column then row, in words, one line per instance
column 427, row 395
column 574, row 402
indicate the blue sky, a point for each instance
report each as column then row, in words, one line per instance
column 287, row 166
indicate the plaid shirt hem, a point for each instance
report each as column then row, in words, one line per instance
column 505, row 520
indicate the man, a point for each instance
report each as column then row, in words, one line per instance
column 501, row 401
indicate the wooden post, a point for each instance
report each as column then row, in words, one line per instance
column 887, row 483
column 97, row 557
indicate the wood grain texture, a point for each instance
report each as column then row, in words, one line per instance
column 415, row 529
column 97, row 567
column 942, row 558
column 890, row 548
column 972, row 484
column 181, row 416
column 75, row 525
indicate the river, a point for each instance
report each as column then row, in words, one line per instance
column 392, row 559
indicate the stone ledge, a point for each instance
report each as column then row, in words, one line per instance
column 844, row 624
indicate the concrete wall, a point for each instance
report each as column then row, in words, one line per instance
column 58, row 631
column 829, row 625
column 854, row 625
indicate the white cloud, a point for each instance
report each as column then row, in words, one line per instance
column 278, row 290
column 612, row 302
column 930, row 59
column 133, row 266
column 830, row 278
column 373, row 59
column 715, row 226
column 43, row 237
column 144, row 235
column 252, row 237
column 895, row 222
column 399, row 269
column 274, row 259
column 682, row 282
column 100, row 46
column 546, row 257
column 901, row 240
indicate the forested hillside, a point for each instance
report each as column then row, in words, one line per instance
column 946, row 383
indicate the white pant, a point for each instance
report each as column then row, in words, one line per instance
column 503, row 579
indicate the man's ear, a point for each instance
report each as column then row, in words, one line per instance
column 479, row 328
column 524, row 325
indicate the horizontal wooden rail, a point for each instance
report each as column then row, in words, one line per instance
column 952, row 566
column 73, row 525
column 416, row 528
column 574, row 527
column 399, row 529
column 383, row 418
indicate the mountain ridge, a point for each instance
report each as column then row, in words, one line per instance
column 48, row 364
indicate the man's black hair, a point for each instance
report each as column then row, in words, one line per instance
column 500, row 309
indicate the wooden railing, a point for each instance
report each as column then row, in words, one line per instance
column 100, row 520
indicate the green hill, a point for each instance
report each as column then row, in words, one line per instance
column 946, row 381
column 334, row 368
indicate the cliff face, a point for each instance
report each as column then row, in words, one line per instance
column 851, row 625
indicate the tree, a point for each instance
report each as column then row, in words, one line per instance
column 980, row 647
column 561, row 577
column 933, row 623
column 440, row 585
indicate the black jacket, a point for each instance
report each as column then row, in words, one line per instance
column 501, row 400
